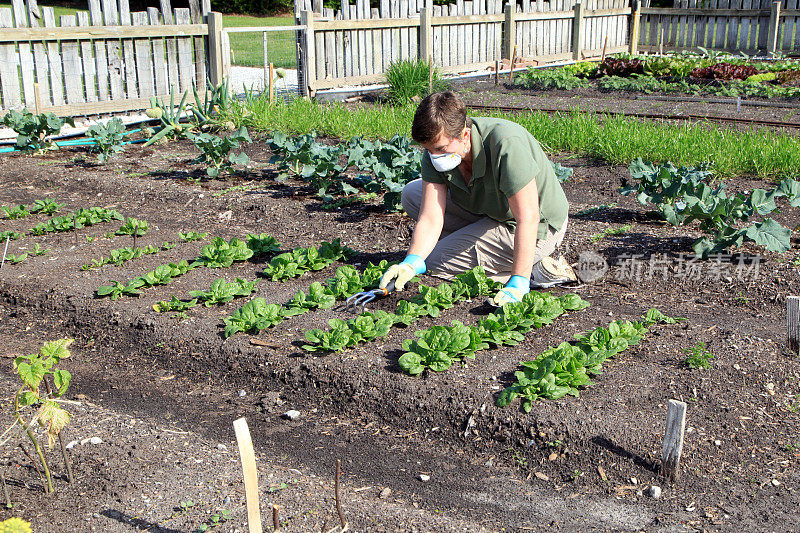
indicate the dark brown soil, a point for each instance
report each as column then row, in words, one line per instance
column 573, row 464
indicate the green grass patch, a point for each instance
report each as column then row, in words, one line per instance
column 616, row 139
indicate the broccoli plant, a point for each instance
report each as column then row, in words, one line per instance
column 34, row 131
column 34, row 371
column 108, row 138
column 216, row 151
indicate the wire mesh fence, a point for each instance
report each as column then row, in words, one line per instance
column 253, row 51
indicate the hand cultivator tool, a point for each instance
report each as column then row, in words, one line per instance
column 360, row 299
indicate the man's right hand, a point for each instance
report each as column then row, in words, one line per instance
column 402, row 273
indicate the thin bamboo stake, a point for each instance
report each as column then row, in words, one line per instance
column 605, row 44
column 513, row 60
column 430, row 74
column 37, row 99
column 271, row 84
column 276, row 523
column 497, row 72
column 5, row 251
column 35, row 466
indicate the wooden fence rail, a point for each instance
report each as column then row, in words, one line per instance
column 101, row 61
column 356, row 44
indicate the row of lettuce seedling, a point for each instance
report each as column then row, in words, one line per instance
column 562, row 370
column 222, row 254
column 120, row 256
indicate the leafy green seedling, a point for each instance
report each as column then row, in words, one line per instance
column 16, row 259
column 174, row 305
column 611, row 231
column 221, row 254
column 191, row 236
column 108, row 138
column 698, row 356
column 14, row 213
column 38, row 250
column 222, row 291
column 34, row 131
column 167, row 245
column 11, row 235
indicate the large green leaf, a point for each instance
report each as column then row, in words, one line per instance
column 771, row 235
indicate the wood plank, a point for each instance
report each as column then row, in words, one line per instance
column 490, row 34
column 413, row 33
column 54, row 59
column 654, row 23
column 103, row 32
column 116, row 70
column 109, row 106
column 744, row 28
column 100, row 56
column 197, row 15
column 128, row 54
column 793, row 323
column 763, row 25
column 159, row 61
column 347, row 38
column 483, row 33
column 338, row 49
column 436, row 48
column 319, row 52
column 87, row 61
column 40, row 57
column 444, row 52
column 673, row 440
column 70, row 58
column 185, row 68
column 9, row 72
column 386, row 36
column 25, row 53
column 732, row 37
column 721, row 25
column 787, row 26
column 171, row 44
column 330, row 47
column 354, row 42
column 404, row 33
column 361, row 60
column 144, row 59
column 461, row 44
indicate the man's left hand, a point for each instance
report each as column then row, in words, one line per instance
column 515, row 289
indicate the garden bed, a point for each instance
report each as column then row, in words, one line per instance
column 568, row 463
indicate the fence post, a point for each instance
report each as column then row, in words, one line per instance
column 509, row 32
column 425, row 34
column 309, row 61
column 635, row 24
column 215, row 72
column 772, row 35
column 577, row 27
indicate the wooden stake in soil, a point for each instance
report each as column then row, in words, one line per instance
column 338, row 500
column 497, row 72
column 605, row 44
column 513, row 60
column 64, row 454
column 673, row 440
column 9, row 505
column 793, row 322
column 248, row 458
column 276, row 522
column 36, row 466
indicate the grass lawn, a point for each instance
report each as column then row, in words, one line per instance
column 247, row 49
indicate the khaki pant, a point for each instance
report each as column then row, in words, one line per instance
column 469, row 240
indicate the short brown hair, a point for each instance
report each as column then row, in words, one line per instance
column 437, row 113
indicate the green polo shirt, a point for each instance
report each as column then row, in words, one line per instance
column 506, row 157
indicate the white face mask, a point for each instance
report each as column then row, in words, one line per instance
column 445, row 162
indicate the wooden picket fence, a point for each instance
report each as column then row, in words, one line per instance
column 101, row 61
column 750, row 26
column 356, row 44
